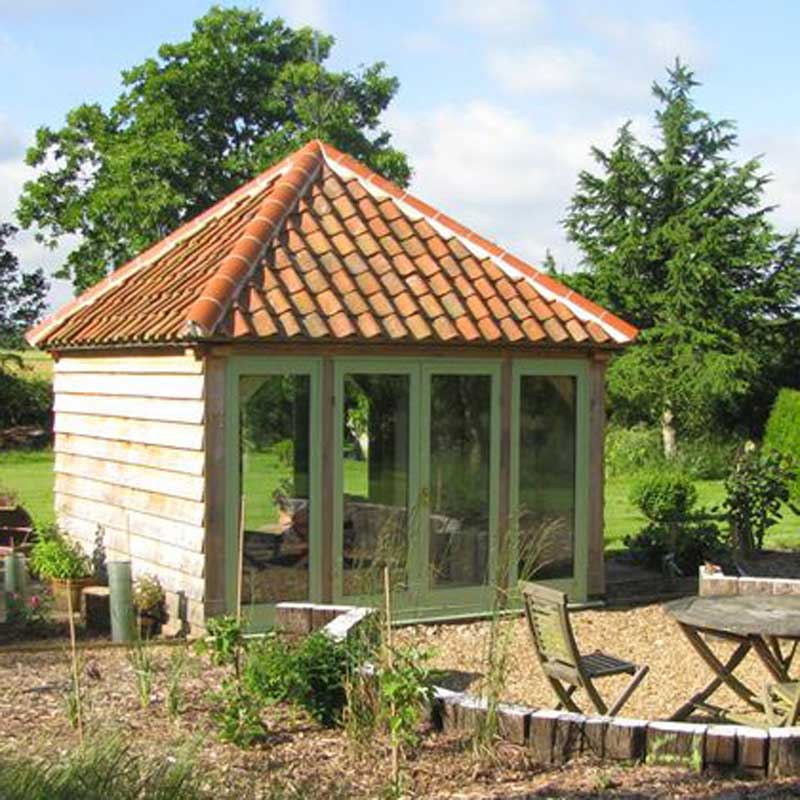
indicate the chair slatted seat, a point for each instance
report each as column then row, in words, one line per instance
column 565, row 669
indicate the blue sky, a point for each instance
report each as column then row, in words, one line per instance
column 499, row 101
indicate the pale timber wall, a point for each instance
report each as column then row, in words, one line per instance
column 129, row 443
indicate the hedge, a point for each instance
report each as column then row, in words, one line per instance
column 783, row 429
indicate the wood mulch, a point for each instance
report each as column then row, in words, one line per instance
column 301, row 758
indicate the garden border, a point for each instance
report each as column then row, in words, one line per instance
column 554, row 737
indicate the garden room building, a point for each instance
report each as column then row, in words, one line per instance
column 320, row 376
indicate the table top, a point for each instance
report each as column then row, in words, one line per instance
column 742, row 615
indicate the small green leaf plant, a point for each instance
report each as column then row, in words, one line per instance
column 237, row 708
column 54, row 557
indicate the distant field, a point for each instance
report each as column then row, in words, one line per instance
column 30, row 474
column 33, row 362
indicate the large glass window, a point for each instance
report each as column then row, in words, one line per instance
column 375, row 481
column 460, row 479
column 547, row 476
column 275, row 485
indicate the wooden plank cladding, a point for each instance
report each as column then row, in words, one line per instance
column 186, row 387
column 130, row 463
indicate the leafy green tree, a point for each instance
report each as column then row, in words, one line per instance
column 22, row 294
column 189, row 127
column 676, row 239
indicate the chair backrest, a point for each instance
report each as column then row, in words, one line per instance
column 553, row 640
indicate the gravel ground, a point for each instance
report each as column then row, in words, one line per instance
column 644, row 635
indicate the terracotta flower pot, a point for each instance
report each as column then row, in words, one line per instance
column 62, row 589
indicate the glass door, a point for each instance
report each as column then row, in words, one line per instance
column 376, row 422
column 549, row 480
column 276, row 535
column 460, row 456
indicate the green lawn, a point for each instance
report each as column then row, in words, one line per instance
column 623, row 518
column 30, row 475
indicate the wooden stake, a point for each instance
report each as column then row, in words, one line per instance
column 76, row 685
column 387, row 597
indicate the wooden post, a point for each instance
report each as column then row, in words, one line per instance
column 76, row 685
column 596, row 584
column 387, row 594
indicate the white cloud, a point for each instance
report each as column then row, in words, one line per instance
column 780, row 160
column 13, row 174
column 555, row 69
column 623, row 57
column 496, row 16
column 498, row 173
column 659, row 41
column 314, row 13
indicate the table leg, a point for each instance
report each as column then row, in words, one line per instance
column 723, row 673
column 771, row 659
column 785, row 660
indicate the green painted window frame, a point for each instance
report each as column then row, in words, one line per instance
column 238, row 366
column 577, row 586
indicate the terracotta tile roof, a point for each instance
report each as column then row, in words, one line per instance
column 320, row 248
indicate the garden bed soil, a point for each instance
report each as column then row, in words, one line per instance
column 300, row 759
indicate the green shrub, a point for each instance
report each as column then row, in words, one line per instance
column 631, row 450
column 677, row 550
column 783, row 431
column 756, row 488
column 664, row 496
column 707, row 458
column 56, row 557
column 24, row 400
column 268, row 668
column 311, row 674
column 237, row 713
column 678, row 537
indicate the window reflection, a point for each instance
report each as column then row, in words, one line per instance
column 547, row 477
column 274, row 430
column 375, row 472
column 460, row 468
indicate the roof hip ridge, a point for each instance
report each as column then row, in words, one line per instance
column 156, row 250
column 224, row 285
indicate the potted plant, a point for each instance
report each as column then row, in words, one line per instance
column 148, row 600
column 63, row 563
column 15, row 522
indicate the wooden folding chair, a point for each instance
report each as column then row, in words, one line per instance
column 782, row 704
column 564, row 667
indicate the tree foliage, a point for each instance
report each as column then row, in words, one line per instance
column 22, row 294
column 190, row 126
column 676, row 239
